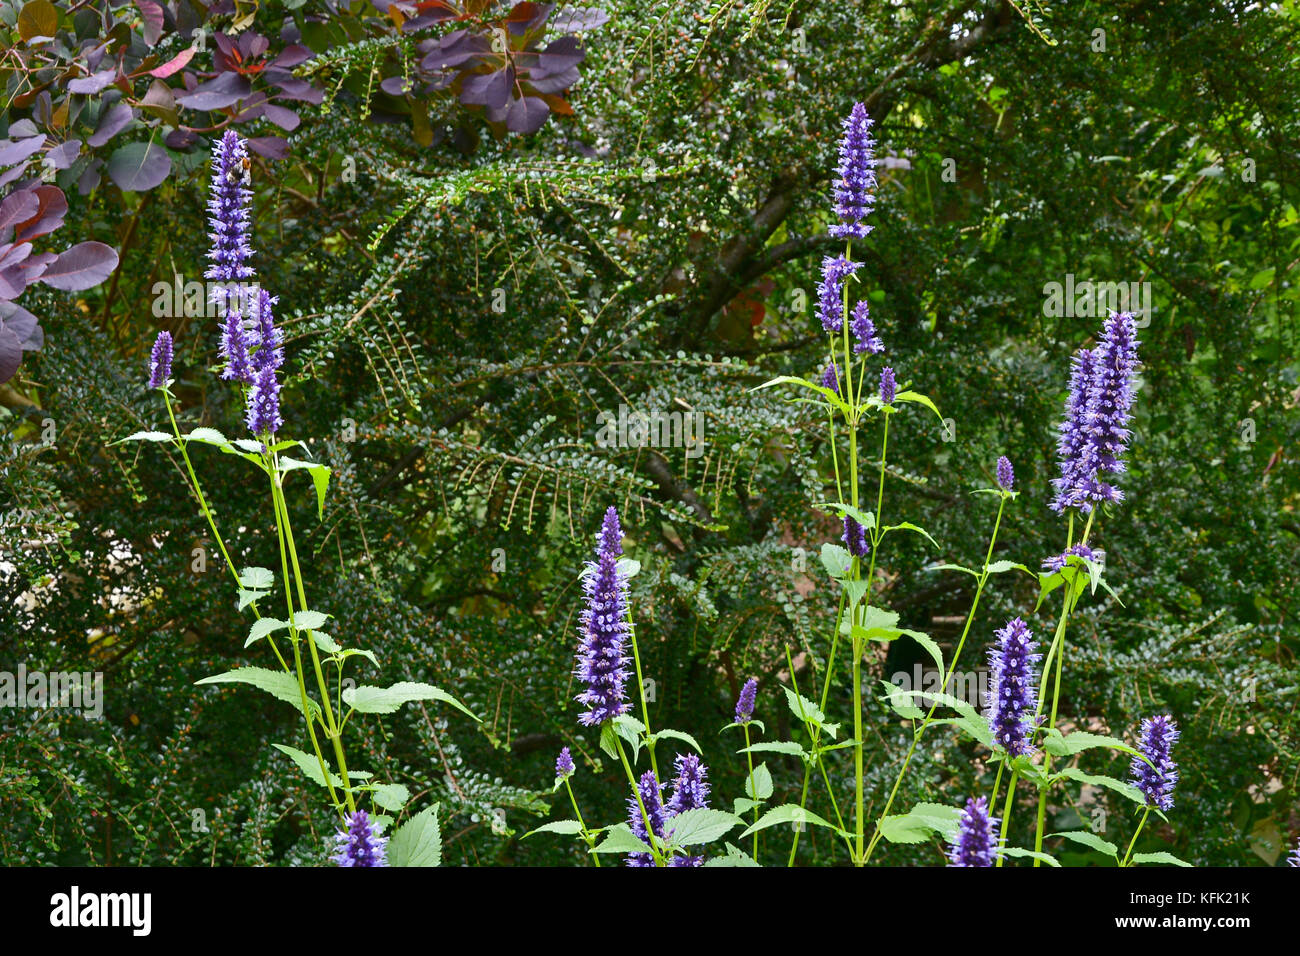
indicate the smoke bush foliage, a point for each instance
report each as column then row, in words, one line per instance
column 460, row 298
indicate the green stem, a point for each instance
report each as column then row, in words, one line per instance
column 295, row 640
column 753, row 790
column 590, row 840
column 1128, row 854
column 645, row 709
column 1006, row 814
column 636, row 792
column 212, row 523
column 920, row 731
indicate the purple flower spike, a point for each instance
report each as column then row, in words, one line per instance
column 855, row 538
column 1294, row 858
column 830, row 294
column 745, row 702
column 1006, row 475
column 1013, row 686
column 1095, row 433
column 975, row 844
column 228, row 203
column 234, row 346
column 864, row 331
column 602, row 661
column 690, row 792
column 564, row 764
column 831, row 378
column 1157, row 780
column 359, row 845
column 654, row 809
column 854, row 189
column 270, row 351
column 160, row 360
column 888, row 387
column 263, row 413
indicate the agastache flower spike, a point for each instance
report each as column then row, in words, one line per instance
column 1294, row 858
column 263, row 413
column 830, row 294
column 234, row 346
column 974, row 845
column 564, row 764
column 228, row 203
column 690, row 792
column 269, row 341
column 160, row 360
column 855, row 538
column 1072, row 435
column 854, row 197
column 745, row 702
column 654, row 809
column 1157, row 781
column 602, row 661
column 864, row 331
column 1006, row 474
column 1110, row 402
column 1013, row 687
column 888, row 387
column 359, row 845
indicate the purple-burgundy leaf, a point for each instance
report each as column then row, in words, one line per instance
column 11, row 354
column 226, row 90
column 12, row 152
column 92, row 84
column 527, row 114
column 84, row 266
column 112, row 121
column 137, row 167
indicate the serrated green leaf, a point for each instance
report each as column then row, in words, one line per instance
column 262, row 627
column 257, row 579
column 418, row 841
column 620, row 839
column 917, row 825
column 309, row 765
column 391, row 796
column 787, row 813
column 562, row 827
column 1159, row 857
column 734, row 857
column 761, row 788
column 368, row 699
column 1091, row 840
column 278, row 684
column 694, row 827
column 681, row 735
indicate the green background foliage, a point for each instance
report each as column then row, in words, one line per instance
column 457, row 317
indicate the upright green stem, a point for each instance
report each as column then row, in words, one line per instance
column 636, row 792
column 1006, row 814
column 645, row 709
column 753, row 790
column 920, row 731
column 1128, row 854
column 332, row 727
column 586, row 836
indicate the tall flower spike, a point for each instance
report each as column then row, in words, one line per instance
column 1110, row 403
column 602, row 660
column 263, row 413
column 974, row 845
column 1157, row 780
column 1006, row 474
column 1072, row 434
column 854, row 189
column 234, row 346
column 855, row 538
column 864, row 331
column 745, row 702
column 654, row 809
column 359, row 845
column 270, row 350
column 830, row 294
column 1013, row 687
column 160, row 360
column 690, row 792
column 1294, row 858
column 888, row 387
column 564, row 764
column 228, row 204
